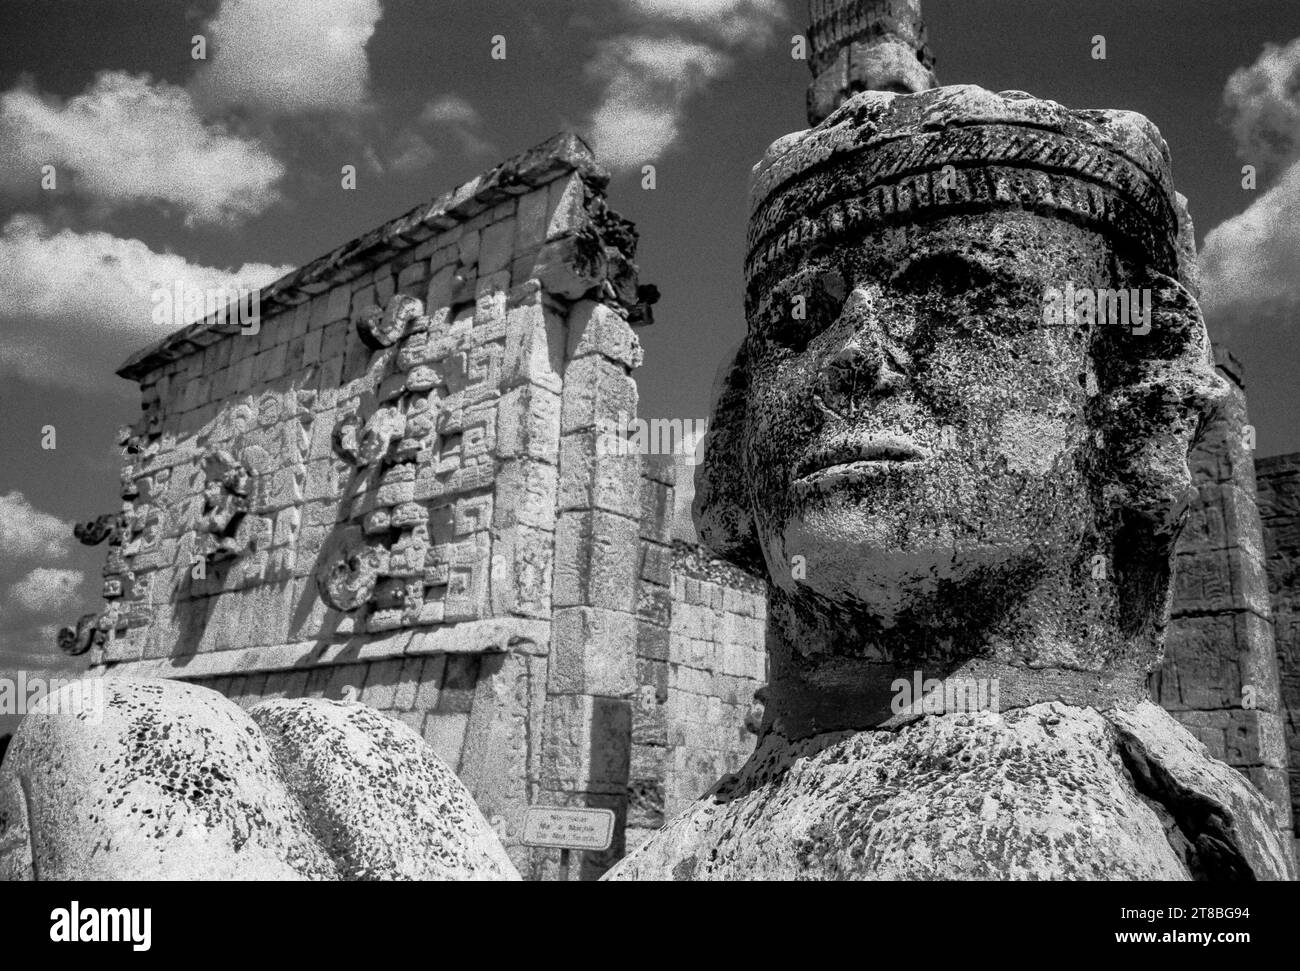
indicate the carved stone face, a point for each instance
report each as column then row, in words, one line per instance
column 921, row 431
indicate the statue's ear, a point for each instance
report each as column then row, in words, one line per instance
column 1157, row 387
column 724, row 519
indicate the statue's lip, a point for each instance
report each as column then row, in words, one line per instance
column 872, row 452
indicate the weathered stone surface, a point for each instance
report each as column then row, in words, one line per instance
column 176, row 782
column 906, row 474
column 1230, row 827
column 865, row 45
column 173, row 783
column 1045, row 792
column 379, row 800
column 81, row 638
column 595, row 328
column 96, row 530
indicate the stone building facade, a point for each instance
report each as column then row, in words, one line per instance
column 395, row 490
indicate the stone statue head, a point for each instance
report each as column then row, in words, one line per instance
column 959, row 424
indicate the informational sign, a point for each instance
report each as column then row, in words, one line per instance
column 569, row 829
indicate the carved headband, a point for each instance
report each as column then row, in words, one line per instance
column 883, row 158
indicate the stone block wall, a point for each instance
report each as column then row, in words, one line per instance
column 650, row 716
column 1279, row 508
column 700, row 657
column 717, row 660
column 1219, row 676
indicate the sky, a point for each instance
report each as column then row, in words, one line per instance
column 226, row 169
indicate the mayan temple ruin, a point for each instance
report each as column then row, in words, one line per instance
column 398, row 490
column 396, row 486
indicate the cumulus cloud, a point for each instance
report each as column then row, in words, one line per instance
column 289, row 56
column 127, row 140
column 449, row 116
column 647, row 82
column 31, row 539
column 1263, row 104
column 450, row 109
column 1248, row 262
column 730, row 21
column 74, row 305
column 46, row 589
column 26, row 533
column 669, row 52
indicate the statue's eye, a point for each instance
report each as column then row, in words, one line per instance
column 832, row 286
column 943, row 277
column 804, row 305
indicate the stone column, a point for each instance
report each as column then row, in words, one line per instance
column 1220, row 675
column 865, row 45
column 1279, row 509
column 592, row 679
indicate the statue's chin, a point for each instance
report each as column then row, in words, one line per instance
column 869, row 563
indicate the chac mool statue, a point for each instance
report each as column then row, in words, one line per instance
column 955, row 470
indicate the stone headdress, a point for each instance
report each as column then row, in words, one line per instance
column 883, row 159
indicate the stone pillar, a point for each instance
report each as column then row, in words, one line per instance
column 593, row 673
column 1279, row 509
column 865, row 45
column 1220, row 675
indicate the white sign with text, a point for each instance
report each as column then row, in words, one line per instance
column 569, row 829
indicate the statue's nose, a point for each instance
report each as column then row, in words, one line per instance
column 867, row 366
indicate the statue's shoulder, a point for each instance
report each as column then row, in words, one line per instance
column 1051, row 791
column 166, row 780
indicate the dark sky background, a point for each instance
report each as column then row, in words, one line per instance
column 1168, row 59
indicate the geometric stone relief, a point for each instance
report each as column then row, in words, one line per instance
column 227, row 495
column 253, row 484
column 417, row 548
column 225, row 502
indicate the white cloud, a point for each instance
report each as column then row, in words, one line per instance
column 670, row 51
column 127, row 140
column 26, row 533
column 450, row 109
column 449, row 116
column 46, row 589
column 1263, row 103
column 30, row 541
column 1248, row 263
column 647, row 82
column 731, row 21
column 289, row 56
column 74, row 305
